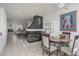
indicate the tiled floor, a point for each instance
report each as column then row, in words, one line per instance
column 20, row 47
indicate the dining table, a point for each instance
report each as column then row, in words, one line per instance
column 58, row 42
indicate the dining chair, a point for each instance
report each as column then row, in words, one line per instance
column 71, row 50
column 46, row 44
column 66, row 34
column 66, row 37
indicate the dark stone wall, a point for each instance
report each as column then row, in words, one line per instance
column 35, row 23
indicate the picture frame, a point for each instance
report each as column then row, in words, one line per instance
column 68, row 21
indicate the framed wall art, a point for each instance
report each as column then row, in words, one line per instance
column 68, row 21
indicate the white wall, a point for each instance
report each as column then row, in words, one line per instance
column 55, row 18
column 3, row 29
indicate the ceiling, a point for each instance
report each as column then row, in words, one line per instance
column 23, row 12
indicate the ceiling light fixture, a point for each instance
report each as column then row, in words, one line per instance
column 62, row 5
